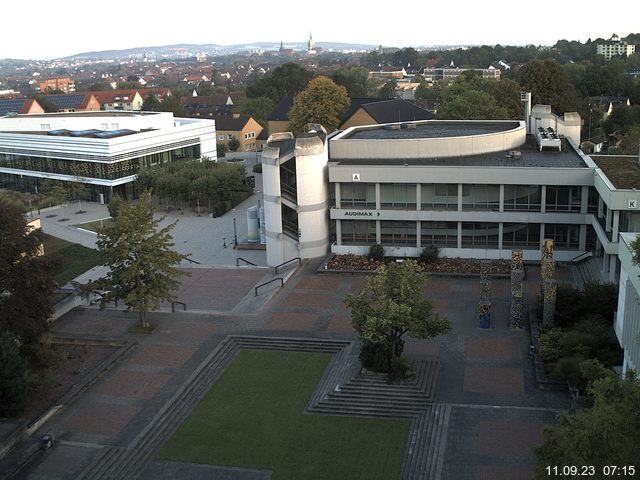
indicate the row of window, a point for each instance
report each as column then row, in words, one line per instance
column 473, row 235
column 474, row 197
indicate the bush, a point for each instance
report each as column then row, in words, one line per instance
column 596, row 299
column 257, row 168
column 14, row 376
column 549, row 344
column 430, row 254
column 569, row 368
column 376, row 252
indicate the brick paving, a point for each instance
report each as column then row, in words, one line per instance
column 486, row 376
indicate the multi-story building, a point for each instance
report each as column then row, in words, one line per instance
column 103, row 150
column 64, row 84
column 614, row 47
column 451, row 73
column 124, row 100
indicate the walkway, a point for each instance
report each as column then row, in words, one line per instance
column 488, row 413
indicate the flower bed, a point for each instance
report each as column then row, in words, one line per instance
column 443, row 265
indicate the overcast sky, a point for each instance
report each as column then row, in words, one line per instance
column 47, row 30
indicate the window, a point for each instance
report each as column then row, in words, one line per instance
column 480, row 235
column 358, row 232
column 221, row 137
column 439, row 196
column 521, row 235
column 524, row 198
column 45, row 126
column 398, row 233
column 565, row 237
column 440, row 234
column 563, row 199
column 229, row 137
column 358, row 195
column 401, row 196
column 481, row 197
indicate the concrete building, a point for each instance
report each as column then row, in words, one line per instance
column 451, row 73
column 242, row 127
column 103, row 150
column 614, row 47
column 64, row 84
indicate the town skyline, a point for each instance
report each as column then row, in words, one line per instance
column 494, row 22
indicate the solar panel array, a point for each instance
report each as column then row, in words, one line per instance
column 65, row 101
column 15, row 106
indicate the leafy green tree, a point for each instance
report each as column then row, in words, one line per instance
column 14, row 375
column 354, row 79
column 549, row 85
column 259, row 108
column 630, row 143
column 392, row 304
column 607, row 434
column 26, row 285
column 233, row 144
column 142, row 263
column 321, row 102
column 470, row 105
column 286, row 80
column 388, row 90
column 151, row 103
column 221, row 149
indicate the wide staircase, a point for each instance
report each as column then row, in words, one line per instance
column 588, row 270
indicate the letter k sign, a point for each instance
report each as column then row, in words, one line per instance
column 633, row 204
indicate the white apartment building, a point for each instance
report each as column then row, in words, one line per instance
column 614, row 47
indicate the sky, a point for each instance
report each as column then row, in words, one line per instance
column 47, row 31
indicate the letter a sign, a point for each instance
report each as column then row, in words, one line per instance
column 355, row 177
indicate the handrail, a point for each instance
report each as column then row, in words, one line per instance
column 582, row 256
column 267, row 283
column 192, row 261
column 173, row 305
column 245, row 261
column 288, row 261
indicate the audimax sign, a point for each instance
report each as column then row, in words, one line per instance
column 361, row 213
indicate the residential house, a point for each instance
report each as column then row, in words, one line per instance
column 22, row 106
column 124, row 100
column 74, row 102
column 242, row 127
column 385, row 111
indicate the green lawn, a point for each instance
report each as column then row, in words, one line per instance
column 253, row 418
column 68, row 259
column 95, row 225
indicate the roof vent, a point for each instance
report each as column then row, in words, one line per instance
column 515, row 154
column 392, row 127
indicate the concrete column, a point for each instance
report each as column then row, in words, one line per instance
column 541, row 233
column 608, row 221
column 600, row 203
column 418, row 197
column 338, row 232
column 543, row 202
column 501, row 204
column 418, row 239
column 500, row 232
column 613, row 264
column 338, row 197
column 582, row 242
column 605, row 262
column 459, row 234
column 584, row 200
column 615, row 225
column 378, row 235
column 378, row 200
column 459, row 200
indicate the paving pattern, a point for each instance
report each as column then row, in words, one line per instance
column 482, row 415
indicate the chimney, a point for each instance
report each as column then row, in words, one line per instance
column 236, row 115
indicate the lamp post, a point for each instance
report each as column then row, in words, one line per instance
column 235, row 234
column 590, row 112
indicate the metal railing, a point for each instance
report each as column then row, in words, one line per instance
column 267, row 283
column 275, row 270
column 582, row 256
column 173, row 306
column 245, row 261
column 192, row 261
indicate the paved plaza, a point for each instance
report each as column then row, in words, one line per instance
column 486, row 377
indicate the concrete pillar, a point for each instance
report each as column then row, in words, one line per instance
column 378, row 233
column 500, row 232
column 584, row 200
column 418, row 197
column 378, row 197
column 418, row 236
column 607, row 223
column 613, row 263
column 501, row 204
column 338, row 232
column 338, row 196
column 582, row 243
column 459, row 198
column 459, row 234
column 600, row 203
column 543, row 202
column 541, row 234
column 615, row 227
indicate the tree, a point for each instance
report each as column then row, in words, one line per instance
column 259, row 108
column 142, row 264
column 321, row 102
column 470, row 105
column 607, row 434
column 221, row 149
column 630, row 143
column 14, row 375
column 233, row 144
column 151, row 103
column 354, row 79
column 388, row 90
column 286, row 80
column 26, row 285
column 549, row 85
column 391, row 305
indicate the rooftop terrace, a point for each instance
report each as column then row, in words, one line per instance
column 622, row 171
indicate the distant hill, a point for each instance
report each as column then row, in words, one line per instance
column 169, row 51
